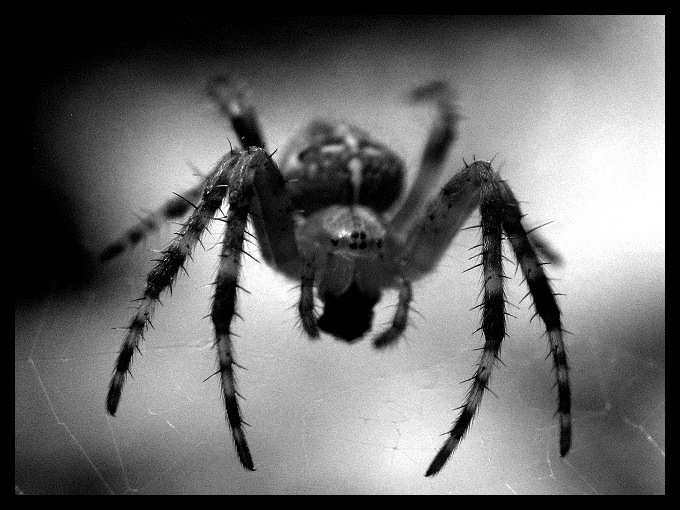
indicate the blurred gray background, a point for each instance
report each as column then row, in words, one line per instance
column 114, row 117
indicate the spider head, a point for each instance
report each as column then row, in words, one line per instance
column 346, row 245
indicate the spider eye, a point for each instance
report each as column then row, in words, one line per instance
column 357, row 240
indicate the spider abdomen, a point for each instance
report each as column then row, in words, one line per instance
column 337, row 164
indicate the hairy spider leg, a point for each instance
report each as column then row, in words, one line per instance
column 274, row 225
column 271, row 207
column 308, row 315
column 232, row 100
column 545, row 305
column 400, row 319
column 242, row 176
column 176, row 207
column 224, row 301
column 443, row 134
column 254, row 176
column 163, row 275
column 493, row 318
column 477, row 185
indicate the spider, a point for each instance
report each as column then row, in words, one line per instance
column 325, row 218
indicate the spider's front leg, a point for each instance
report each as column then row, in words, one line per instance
column 477, row 185
column 248, row 178
column 163, row 275
column 232, row 97
column 256, row 188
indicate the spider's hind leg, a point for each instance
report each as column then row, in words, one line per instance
column 545, row 305
column 443, row 134
column 176, row 207
column 232, row 98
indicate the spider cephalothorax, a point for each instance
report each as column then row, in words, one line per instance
column 340, row 183
column 332, row 217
